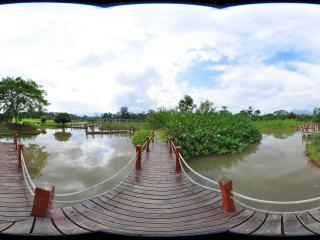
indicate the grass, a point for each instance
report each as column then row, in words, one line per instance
column 313, row 149
column 116, row 125
column 50, row 123
column 276, row 124
column 161, row 133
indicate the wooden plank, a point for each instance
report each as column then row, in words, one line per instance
column 272, row 225
column 64, row 224
column 44, row 226
column 292, row 226
column 309, row 222
column 252, row 224
column 240, row 218
column 21, row 227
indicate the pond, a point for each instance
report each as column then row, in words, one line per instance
column 74, row 161
column 276, row 169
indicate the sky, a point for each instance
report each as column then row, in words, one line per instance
column 92, row 60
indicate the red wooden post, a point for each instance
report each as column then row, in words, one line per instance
column 148, row 141
column 178, row 166
column 15, row 139
column 20, row 151
column 152, row 135
column 170, row 145
column 42, row 199
column 225, row 187
column 138, row 161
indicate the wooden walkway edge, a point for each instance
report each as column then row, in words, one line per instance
column 153, row 201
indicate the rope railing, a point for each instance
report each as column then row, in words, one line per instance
column 233, row 194
column 132, row 160
column 26, row 176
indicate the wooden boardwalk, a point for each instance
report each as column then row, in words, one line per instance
column 153, row 201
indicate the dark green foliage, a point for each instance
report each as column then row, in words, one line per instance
column 139, row 137
column 160, row 118
column 62, row 118
column 43, row 120
column 213, row 133
column 186, row 104
column 18, row 95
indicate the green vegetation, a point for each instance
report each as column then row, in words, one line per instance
column 62, row 118
column 205, row 132
column 121, row 125
column 139, row 137
column 267, row 125
column 313, row 149
column 18, row 95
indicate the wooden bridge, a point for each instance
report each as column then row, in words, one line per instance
column 155, row 199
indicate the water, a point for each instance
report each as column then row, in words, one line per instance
column 73, row 161
column 276, row 168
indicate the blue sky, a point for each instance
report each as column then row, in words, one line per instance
column 91, row 59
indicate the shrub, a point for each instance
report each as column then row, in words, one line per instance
column 139, row 137
column 212, row 133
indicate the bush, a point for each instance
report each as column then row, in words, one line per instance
column 62, row 118
column 212, row 133
column 139, row 137
column 159, row 119
column 43, row 120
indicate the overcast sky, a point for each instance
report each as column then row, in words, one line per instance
column 91, row 59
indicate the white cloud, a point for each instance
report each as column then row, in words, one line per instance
column 92, row 59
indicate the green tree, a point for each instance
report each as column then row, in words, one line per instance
column 18, row 95
column 316, row 114
column 206, row 107
column 224, row 109
column 62, row 118
column 186, row 104
column 124, row 112
column 43, row 120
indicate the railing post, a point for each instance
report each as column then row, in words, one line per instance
column 42, row 199
column 148, row 141
column 152, row 135
column 178, row 166
column 225, row 185
column 170, row 145
column 138, row 161
column 168, row 137
column 20, row 151
column 15, row 139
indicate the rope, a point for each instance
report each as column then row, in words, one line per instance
column 198, row 174
column 88, row 198
column 269, row 211
column 274, row 202
column 84, row 190
column 199, row 184
column 26, row 176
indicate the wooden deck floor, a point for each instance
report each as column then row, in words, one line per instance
column 154, row 201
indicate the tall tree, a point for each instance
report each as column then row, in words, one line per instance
column 206, row 107
column 186, row 104
column 18, row 95
column 62, row 118
column 124, row 113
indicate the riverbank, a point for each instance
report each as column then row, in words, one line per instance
column 313, row 150
column 25, row 129
column 268, row 125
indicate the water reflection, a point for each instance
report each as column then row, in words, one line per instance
column 280, row 133
column 71, row 161
column 35, row 158
column 62, row 136
column 274, row 169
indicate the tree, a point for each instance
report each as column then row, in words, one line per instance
column 18, row 95
column 62, row 118
column 257, row 112
column 250, row 111
column 186, row 104
column 124, row 113
column 43, row 120
column 224, row 109
column 206, row 107
column 316, row 114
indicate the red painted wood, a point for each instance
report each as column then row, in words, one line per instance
column 178, row 166
column 225, row 187
column 138, row 161
column 42, row 200
column 20, row 151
